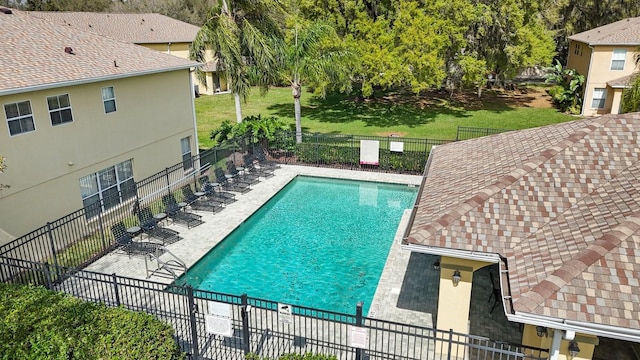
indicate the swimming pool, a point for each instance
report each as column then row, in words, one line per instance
column 318, row 243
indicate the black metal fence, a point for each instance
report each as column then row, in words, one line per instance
column 466, row 133
column 250, row 325
column 396, row 154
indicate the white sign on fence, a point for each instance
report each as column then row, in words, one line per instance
column 397, row 146
column 284, row 314
column 218, row 321
column 359, row 337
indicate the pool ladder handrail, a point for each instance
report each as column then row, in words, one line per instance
column 170, row 265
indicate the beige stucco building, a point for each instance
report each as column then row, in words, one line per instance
column 555, row 211
column 605, row 56
column 154, row 31
column 85, row 115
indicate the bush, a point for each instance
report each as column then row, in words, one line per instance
column 41, row 324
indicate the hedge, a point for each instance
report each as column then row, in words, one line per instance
column 39, row 324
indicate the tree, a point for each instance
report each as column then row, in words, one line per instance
column 631, row 95
column 314, row 55
column 568, row 89
column 69, row 5
column 2, row 169
column 246, row 38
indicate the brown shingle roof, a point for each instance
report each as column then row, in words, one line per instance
column 623, row 32
column 32, row 54
column 622, row 82
column 561, row 203
column 133, row 28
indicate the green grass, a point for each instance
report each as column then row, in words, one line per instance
column 432, row 116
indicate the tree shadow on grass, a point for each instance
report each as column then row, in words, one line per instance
column 404, row 109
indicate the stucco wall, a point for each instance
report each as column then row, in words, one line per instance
column 44, row 166
column 600, row 73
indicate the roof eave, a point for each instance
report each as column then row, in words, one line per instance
column 92, row 80
column 603, row 43
column 454, row 253
column 577, row 326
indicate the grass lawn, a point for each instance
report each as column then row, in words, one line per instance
column 433, row 116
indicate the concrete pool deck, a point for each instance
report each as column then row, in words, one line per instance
column 407, row 291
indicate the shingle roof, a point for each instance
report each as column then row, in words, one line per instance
column 622, row 82
column 623, row 32
column 133, row 28
column 561, row 203
column 32, row 54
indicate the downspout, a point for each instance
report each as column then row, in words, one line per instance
column 169, row 48
column 193, row 114
column 586, row 85
column 554, row 350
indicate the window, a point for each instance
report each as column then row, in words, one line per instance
column 109, row 99
column 107, row 188
column 618, row 58
column 185, row 144
column 599, row 96
column 59, row 109
column 577, row 49
column 19, row 117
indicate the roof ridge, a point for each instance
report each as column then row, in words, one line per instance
column 563, row 275
column 504, row 181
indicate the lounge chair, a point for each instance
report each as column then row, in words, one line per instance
column 259, row 155
column 125, row 242
column 177, row 213
column 150, row 225
column 254, row 166
column 223, row 180
column 242, row 174
column 213, row 191
column 200, row 202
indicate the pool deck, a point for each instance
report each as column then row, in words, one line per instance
column 407, row 291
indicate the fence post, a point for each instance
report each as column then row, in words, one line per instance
column 244, row 312
column 450, row 344
column 53, row 248
column 166, row 174
column 195, row 352
column 116, row 290
column 359, row 322
column 47, row 275
column 101, row 227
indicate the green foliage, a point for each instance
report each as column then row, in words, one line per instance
column 40, row 324
column 567, row 92
column 255, row 125
column 69, row 5
column 631, row 97
column 306, row 356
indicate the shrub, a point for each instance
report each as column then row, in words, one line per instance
column 41, row 324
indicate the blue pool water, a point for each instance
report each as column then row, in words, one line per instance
column 318, row 243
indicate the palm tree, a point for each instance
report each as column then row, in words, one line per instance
column 243, row 36
column 315, row 55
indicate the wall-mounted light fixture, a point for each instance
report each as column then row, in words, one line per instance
column 436, row 265
column 541, row 331
column 456, row 277
column 574, row 349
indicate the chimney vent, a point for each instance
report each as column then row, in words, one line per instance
column 69, row 50
column 115, row 64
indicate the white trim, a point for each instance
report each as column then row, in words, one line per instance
column 6, row 117
column 91, row 80
column 195, row 124
column 59, row 109
column 588, row 77
column 460, row 254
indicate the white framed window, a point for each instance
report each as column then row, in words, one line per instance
column 109, row 99
column 19, row 117
column 185, row 145
column 617, row 59
column 599, row 97
column 59, row 109
column 107, row 188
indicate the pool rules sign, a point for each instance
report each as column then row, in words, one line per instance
column 284, row 314
column 218, row 320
